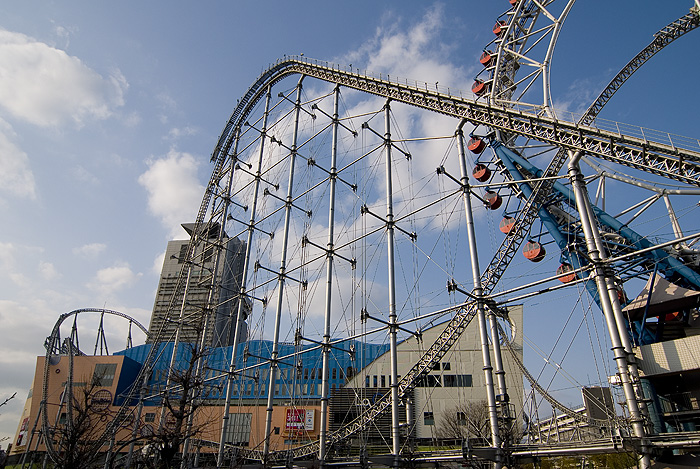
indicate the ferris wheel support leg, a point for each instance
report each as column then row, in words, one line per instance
column 612, row 293
column 481, row 316
column 393, row 350
column 602, row 279
column 499, row 370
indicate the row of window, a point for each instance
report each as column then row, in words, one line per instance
column 425, row 381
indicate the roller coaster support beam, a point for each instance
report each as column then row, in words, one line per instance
column 239, row 310
column 393, row 350
column 283, row 264
column 604, row 282
column 329, row 285
column 478, row 294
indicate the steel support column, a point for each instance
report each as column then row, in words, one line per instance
column 282, row 275
column 329, row 284
column 241, row 301
column 597, row 257
column 478, row 294
column 393, row 328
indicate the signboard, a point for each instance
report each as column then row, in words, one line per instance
column 101, row 400
column 299, row 419
column 23, row 432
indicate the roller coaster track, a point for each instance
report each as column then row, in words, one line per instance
column 672, row 160
column 52, row 343
column 662, row 38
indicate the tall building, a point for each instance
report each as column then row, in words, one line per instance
column 169, row 310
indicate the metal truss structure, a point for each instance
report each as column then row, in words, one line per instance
column 263, row 140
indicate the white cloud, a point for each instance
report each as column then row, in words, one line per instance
column 176, row 133
column 406, row 49
column 174, row 192
column 7, row 256
column 20, row 280
column 48, row 271
column 63, row 35
column 84, row 176
column 47, row 87
column 112, row 279
column 16, row 177
column 132, row 119
column 90, row 251
column 411, row 50
column 158, row 263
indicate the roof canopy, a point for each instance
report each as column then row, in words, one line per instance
column 666, row 297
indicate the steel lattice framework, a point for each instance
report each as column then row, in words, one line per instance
column 665, row 155
column 667, row 160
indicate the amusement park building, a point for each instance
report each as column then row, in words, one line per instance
column 358, row 374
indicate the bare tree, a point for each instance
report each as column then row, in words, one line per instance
column 7, row 400
column 181, row 419
column 469, row 420
column 74, row 433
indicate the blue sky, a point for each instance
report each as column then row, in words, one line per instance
column 109, row 112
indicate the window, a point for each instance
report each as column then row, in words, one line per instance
column 208, row 254
column 428, row 418
column 383, row 381
column 104, row 374
column 183, row 254
column 450, row 381
column 428, row 381
column 461, row 418
column 446, row 366
column 238, row 429
column 367, row 381
column 306, row 373
column 464, row 381
column 150, row 417
column 335, row 373
column 374, row 381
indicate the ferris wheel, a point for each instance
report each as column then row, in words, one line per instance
column 359, row 224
